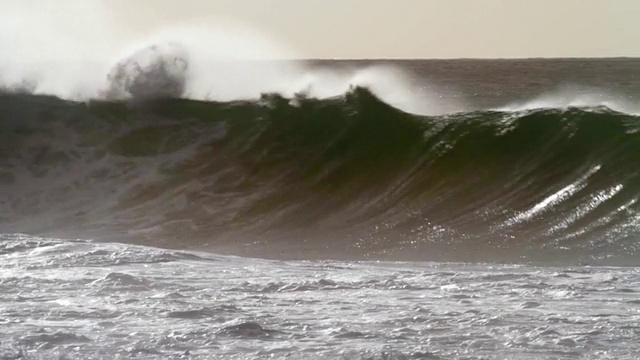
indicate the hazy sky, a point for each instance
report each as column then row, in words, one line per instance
column 383, row 29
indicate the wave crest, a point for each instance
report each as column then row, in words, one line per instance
column 158, row 71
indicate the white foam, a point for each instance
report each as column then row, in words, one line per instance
column 554, row 199
column 70, row 51
column 387, row 82
column 575, row 96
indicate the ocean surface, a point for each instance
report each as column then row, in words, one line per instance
column 388, row 209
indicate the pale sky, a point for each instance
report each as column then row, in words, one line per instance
column 386, row 29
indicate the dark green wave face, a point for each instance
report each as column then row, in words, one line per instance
column 348, row 177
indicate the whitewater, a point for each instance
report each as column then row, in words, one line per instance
column 172, row 199
column 66, row 299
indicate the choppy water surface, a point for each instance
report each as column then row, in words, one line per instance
column 83, row 300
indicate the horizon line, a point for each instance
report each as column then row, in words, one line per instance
column 540, row 58
column 472, row 58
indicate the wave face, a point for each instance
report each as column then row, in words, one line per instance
column 344, row 177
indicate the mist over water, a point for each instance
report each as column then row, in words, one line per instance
column 72, row 59
column 70, row 49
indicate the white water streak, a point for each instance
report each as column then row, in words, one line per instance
column 554, row 199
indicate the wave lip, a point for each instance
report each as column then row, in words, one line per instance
column 348, row 176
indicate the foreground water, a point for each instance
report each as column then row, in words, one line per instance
column 81, row 300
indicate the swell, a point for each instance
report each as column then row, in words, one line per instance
column 345, row 177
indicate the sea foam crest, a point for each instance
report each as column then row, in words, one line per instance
column 57, row 55
column 567, row 96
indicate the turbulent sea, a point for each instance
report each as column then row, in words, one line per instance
column 474, row 210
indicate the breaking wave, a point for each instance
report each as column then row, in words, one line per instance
column 347, row 176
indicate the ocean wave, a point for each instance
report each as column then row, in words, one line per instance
column 345, row 176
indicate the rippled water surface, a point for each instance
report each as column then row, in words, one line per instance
column 82, row 300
